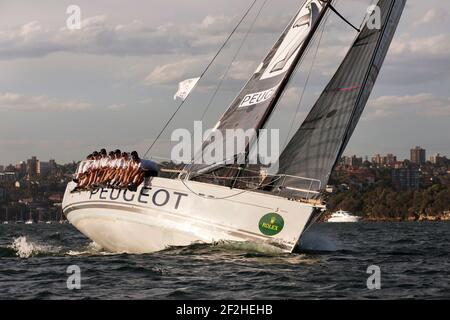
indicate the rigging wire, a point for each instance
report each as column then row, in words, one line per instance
column 201, row 76
column 343, row 18
column 230, row 196
column 250, row 29
column 306, row 83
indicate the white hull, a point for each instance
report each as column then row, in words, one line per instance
column 170, row 214
column 344, row 220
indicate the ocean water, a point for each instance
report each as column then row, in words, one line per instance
column 413, row 259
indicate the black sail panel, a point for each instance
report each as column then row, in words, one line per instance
column 319, row 143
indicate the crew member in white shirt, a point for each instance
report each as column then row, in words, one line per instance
column 141, row 168
column 118, row 163
column 102, row 167
column 94, row 169
column 81, row 175
column 123, row 170
column 86, row 172
column 109, row 168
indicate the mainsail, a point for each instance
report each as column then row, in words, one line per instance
column 256, row 101
column 319, row 143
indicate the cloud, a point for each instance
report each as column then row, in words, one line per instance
column 21, row 102
column 116, row 106
column 101, row 37
column 432, row 46
column 423, row 104
column 174, row 72
column 242, row 70
column 432, row 16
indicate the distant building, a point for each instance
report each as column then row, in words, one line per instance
column 389, row 160
column 21, row 168
column 353, row 161
column 2, row 194
column 53, row 166
column 438, row 159
column 378, row 159
column 406, row 178
column 418, row 155
column 7, row 177
column 32, row 167
column 44, row 168
column 2, row 168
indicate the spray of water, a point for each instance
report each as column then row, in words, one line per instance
column 254, row 247
column 91, row 249
column 25, row 248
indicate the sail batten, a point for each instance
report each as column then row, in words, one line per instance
column 321, row 139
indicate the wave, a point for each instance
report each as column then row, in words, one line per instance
column 24, row 248
column 241, row 252
column 6, row 252
column 316, row 242
column 225, row 246
column 249, row 247
column 92, row 249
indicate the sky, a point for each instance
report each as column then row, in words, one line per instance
column 65, row 93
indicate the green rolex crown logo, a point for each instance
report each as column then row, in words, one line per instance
column 271, row 224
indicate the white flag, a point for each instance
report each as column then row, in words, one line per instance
column 185, row 87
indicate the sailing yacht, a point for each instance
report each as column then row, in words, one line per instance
column 208, row 203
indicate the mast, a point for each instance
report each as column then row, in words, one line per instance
column 286, row 80
column 251, row 109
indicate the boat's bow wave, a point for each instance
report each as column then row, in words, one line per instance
column 226, row 246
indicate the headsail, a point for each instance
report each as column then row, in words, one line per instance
column 319, row 143
column 257, row 99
